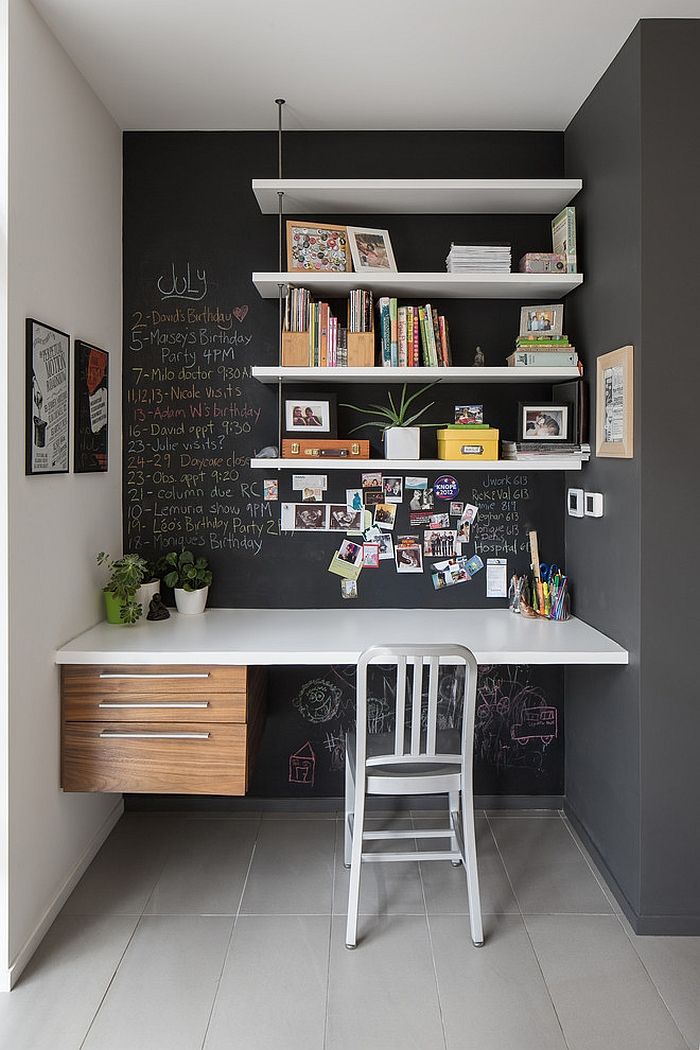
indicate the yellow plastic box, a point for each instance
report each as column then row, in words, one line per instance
column 468, row 444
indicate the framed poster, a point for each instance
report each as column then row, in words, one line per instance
column 615, row 404
column 47, row 406
column 91, row 424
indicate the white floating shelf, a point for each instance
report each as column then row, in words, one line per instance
column 426, row 285
column 415, row 466
column 416, row 196
column 498, row 374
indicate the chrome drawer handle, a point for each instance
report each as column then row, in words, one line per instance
column 165, row 706
column 111, row 734
column 205, row 674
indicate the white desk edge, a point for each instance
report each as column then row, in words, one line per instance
column 212, row 638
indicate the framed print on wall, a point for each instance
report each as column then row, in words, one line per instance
column 91, row 422
column 47, row 407
column 615, row 404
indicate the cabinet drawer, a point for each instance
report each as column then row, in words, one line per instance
column 93, row 693
column 195, row 758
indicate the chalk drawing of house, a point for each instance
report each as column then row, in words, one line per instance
column 302, row 765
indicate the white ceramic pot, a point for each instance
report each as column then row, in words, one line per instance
column 144, row 595
column 402, row 443
column 191, row 602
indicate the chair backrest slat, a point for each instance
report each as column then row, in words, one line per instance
column 431, row 732
column 417, row 704
column 400, row 706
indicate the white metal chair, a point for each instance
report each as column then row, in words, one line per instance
column 420, row 757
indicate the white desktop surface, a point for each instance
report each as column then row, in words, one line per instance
column 338, row 636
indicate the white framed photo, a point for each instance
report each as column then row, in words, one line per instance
column 371, row 250
column 542, row 322
column 308, row 414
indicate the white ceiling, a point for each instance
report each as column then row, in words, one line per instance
column 359, row 64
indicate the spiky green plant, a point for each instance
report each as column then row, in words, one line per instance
column 391, row 416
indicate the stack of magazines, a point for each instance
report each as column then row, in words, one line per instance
column 479, row 258
column 516, row 450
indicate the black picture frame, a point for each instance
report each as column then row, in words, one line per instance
column 558, row 410
column 575, row 393
column 47, row 399
column 319, row 406
column 91, row 405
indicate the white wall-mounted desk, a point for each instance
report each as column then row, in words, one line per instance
column 338, row 636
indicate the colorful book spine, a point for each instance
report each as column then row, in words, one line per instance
column 403, row 339
column 550, row 358
column 442, row 324
column 393, row 317
column 416, row 337
column 564, row 236
column 385, row 331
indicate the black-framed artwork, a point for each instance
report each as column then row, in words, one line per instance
column 544, row 421
column 91, row 420
column 309, row 414
column 47, row 399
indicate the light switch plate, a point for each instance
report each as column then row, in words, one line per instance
column 593, row 504
column 574, row 502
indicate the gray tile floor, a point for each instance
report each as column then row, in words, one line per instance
column 220, row 933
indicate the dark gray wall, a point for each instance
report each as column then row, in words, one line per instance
column 603, row 556
column 632, row 776
column 670, row 374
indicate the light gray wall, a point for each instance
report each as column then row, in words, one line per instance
column 603, row 556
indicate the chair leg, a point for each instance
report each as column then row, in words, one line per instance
column 349, row 802
column 472, row 873
column 355, row 868
column 453, row 798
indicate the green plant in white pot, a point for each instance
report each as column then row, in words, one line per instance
column 190, row 579
column 400, row 429
column 126, row 574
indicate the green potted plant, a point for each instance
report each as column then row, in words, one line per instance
column 189, row 578
column 126, row 574
column 400, row 432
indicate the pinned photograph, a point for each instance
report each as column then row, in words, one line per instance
column 353, row 499
column 371, row 250
column 385, row 515
column 393, row 489
column 469, row 513
column 416, row 483
column 370, row 555
column 310, row 518
column 372, row 495
column 311, row 496
column 348, row 588
column 347, row 560
column 271, row 489
column 420, row 519
column 474, row 564
column 469, row 415
column 542, row 321
column 372, row 480
column 439, row 521
column 409, row 557
column 439, row 543
column 340, row 519
column 464, row 531
column 386, row 546
column 422, row 499
column 448, row 573
column 456, row 509
column 309, row 481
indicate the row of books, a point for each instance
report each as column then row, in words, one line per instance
column 328, row 341
column 543, row 352
column 523, row 450
column 413, row 335
column 478, row 258
column 360, row 310
column 296, row 310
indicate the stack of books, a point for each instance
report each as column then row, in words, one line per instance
column 543, row 352
column 517, row 450
column 328, row 345
column 413, row 335
column 296, row 310
column 479, row 258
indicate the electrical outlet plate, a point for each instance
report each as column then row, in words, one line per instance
column 574, row 502
column 593, row 504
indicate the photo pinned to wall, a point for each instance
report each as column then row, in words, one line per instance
column 439, row 543
column 348, row 589
column 371, row 250
column 372, row 496
column 271, row 489
column 544, row 422
column 464, row 530
column 542, row 321
column 370, row 555
column 416, row 483
column 439, row 521
column 469, row 415
column 384, row 541
column 393, row 489
column 47, row 405
column 456, row 509
column 91, row 432
column 449, row 573
column 303, row 517
column 309, row 481
column 372, row 480
column 347, row 560
column 385, row 515
column 408, row 555
column 341, row 519
column 317, row 247
column 310, row 414
column 615, row 404
column 422, row 499
column 353, row 499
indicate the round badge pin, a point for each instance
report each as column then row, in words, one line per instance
column 446, row 487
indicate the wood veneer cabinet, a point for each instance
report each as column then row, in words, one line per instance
column 170, row 729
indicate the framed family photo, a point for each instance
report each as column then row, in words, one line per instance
column 371, row 250
column 310, row 414
column 317, row 247
column 544, row 422
column 47, row 408
column 542, row 322
column 615, row 404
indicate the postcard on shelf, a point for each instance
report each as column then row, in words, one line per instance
column 469, row 415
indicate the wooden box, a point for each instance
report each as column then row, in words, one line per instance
column 295, row 349
column 319, row 448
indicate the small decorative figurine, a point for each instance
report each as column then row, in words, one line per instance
column 156, row 610
column 479, row 359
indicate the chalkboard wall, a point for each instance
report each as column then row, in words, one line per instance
column 193, row 415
